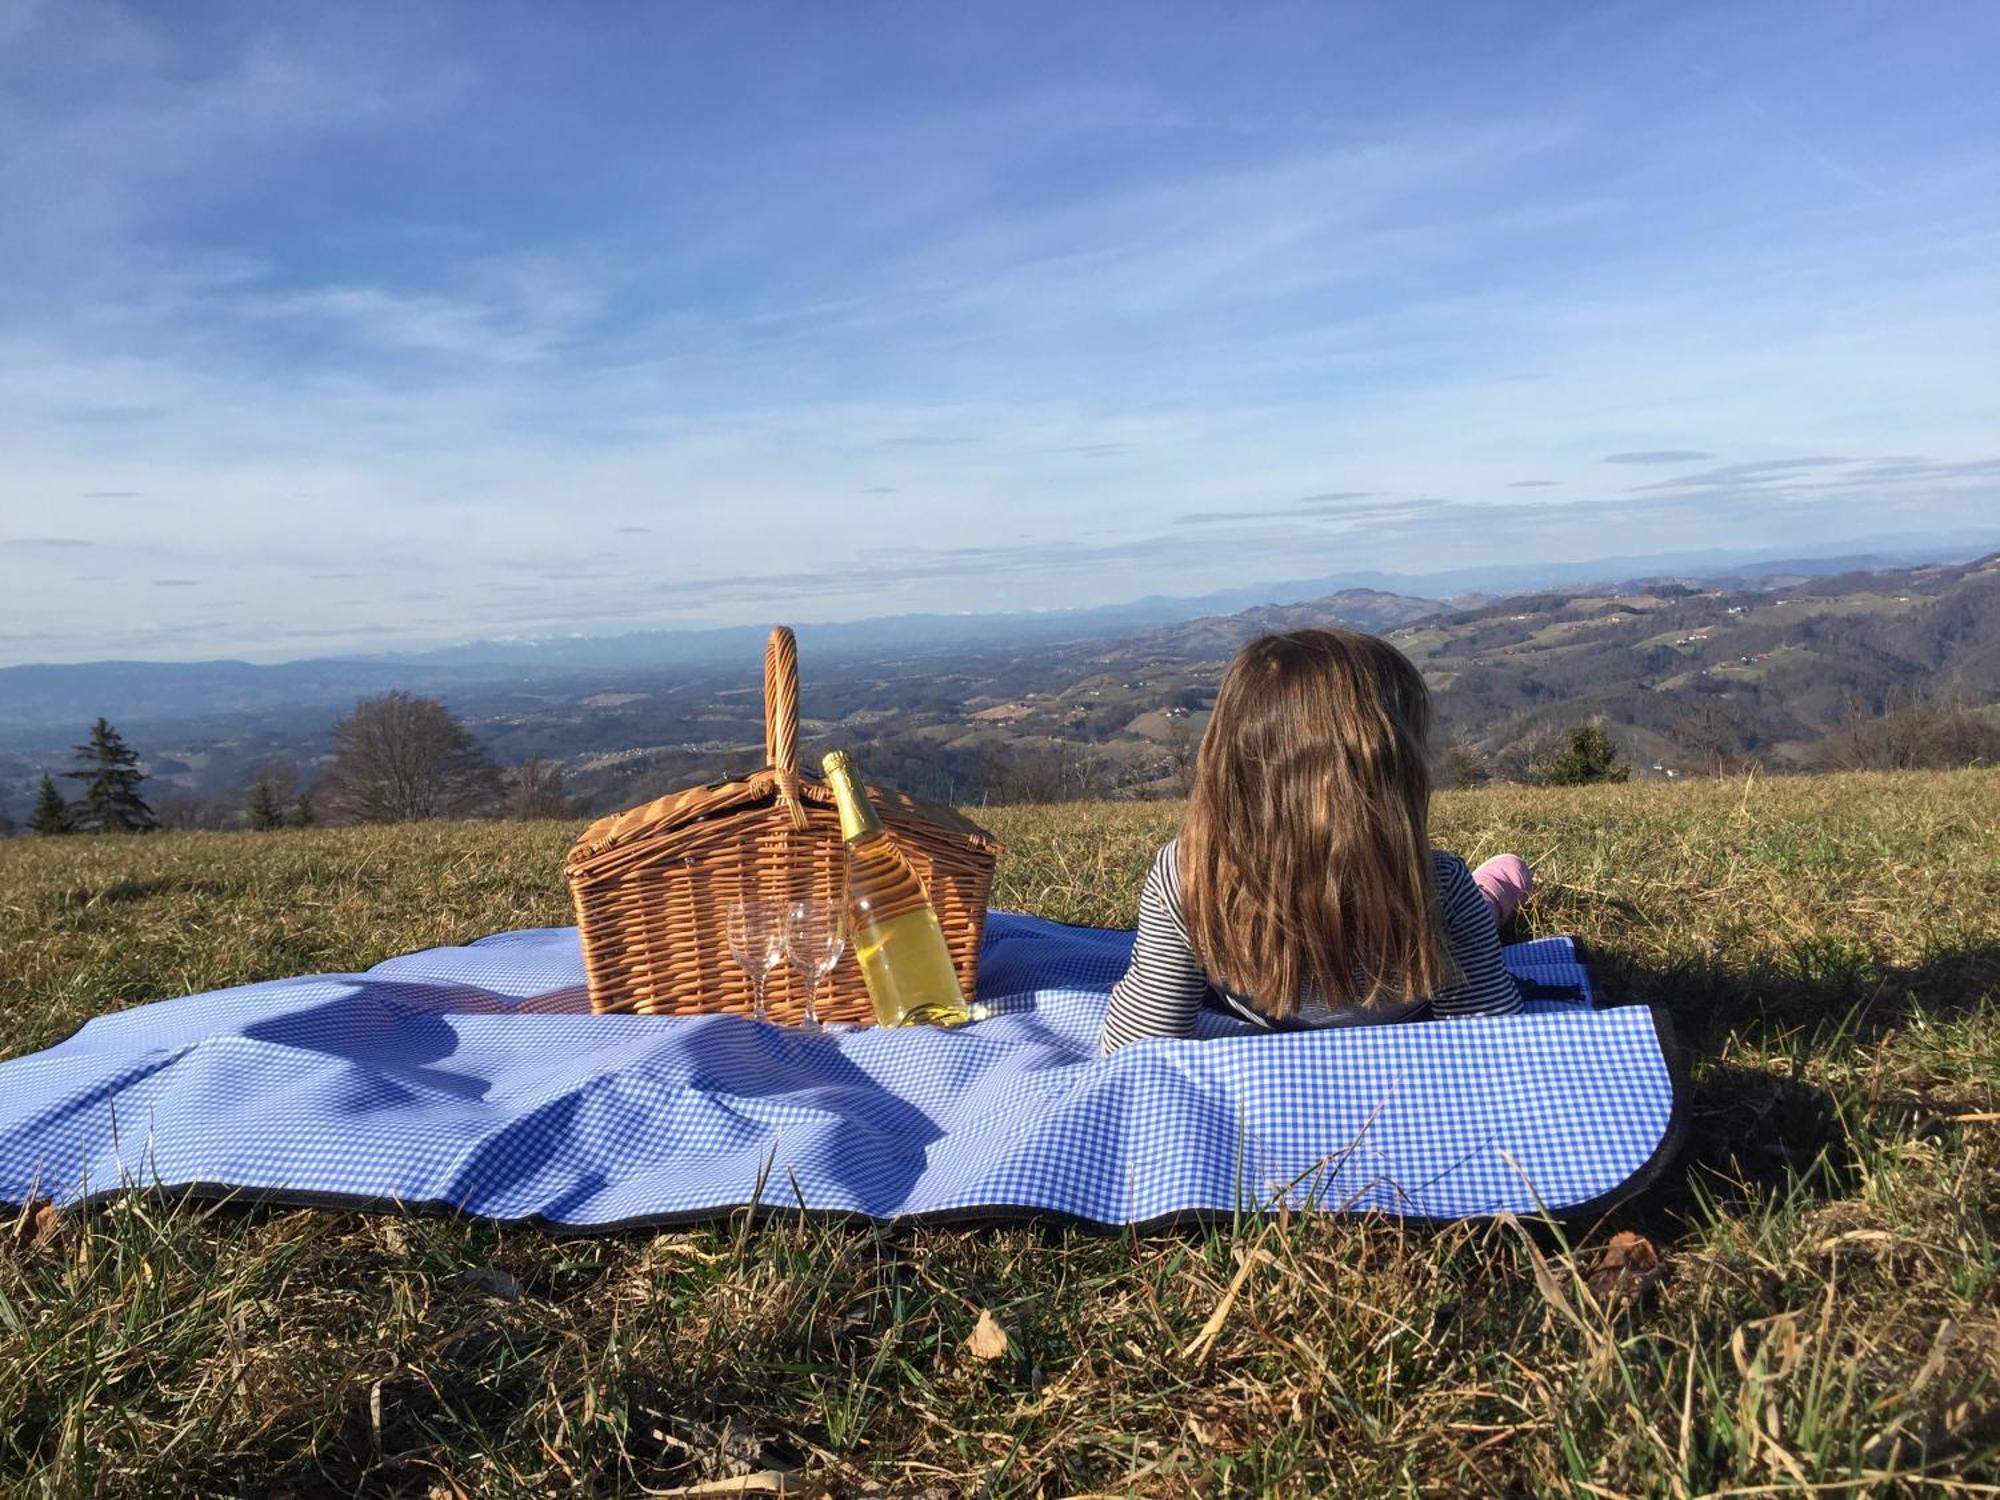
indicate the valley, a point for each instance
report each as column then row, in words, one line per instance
column 1689, row 675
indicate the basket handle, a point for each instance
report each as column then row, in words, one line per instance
column 781, row 700
column 781, row 718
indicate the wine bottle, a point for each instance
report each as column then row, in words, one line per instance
column 897, row 939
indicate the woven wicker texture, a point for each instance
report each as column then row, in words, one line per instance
column 653, row 885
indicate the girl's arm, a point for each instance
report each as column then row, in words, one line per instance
column 1162, row 991
column 1484, row 987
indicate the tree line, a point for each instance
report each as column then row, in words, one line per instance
column 395, row 758
column 401, row 758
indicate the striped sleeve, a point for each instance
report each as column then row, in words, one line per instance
column 1484, row 986
column 1162, row 990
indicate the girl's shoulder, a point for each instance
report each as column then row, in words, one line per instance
column 1163, row 880
column 1449, row 867
column 1454, row 878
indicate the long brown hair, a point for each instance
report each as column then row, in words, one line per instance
column 1305, row 854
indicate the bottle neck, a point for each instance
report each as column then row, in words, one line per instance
column 857, row 814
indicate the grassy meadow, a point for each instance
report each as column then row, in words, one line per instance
column 1825, row 1317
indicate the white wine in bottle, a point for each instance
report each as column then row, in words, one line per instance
column 897, row 939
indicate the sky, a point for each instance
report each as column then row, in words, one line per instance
column 330, row 329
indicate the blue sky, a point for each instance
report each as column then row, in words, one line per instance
column 333, row 328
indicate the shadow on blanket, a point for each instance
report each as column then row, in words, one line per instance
column 395, row 1033
column 475, row 1079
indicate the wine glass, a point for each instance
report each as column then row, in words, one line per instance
column 757, row 942
column 815, row 934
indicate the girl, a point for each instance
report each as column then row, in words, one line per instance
column 1303, row 890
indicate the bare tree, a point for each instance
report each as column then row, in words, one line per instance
column 1522, row 757
column 179, row 810
column 534, row 789
column 1912, row 734
column 1047, row 770
column 399, row 757
column 1459, row 763
column 1713, row 741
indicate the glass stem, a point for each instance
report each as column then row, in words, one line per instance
column 812, row 1002
column 758, row 979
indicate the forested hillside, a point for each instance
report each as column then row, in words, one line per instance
column 1688, row 676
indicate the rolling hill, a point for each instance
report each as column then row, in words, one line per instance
column 1688, row 673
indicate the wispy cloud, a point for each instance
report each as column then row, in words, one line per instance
column 1123, row 316
column 1325, row 509
column 43, row 543
column 1764, row 471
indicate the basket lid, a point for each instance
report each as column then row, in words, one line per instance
column 759, row 788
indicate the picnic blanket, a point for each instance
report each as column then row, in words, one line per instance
column 476, row 1079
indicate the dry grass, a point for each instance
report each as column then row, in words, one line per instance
column 1827, row 1317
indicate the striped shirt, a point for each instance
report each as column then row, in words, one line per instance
column 1165, row 987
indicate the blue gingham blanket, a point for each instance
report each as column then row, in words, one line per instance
column 476, row 1079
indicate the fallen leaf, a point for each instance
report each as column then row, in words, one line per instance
column 1217, row 1429
column 37, row 1225
column 988, row 1339
column 1623, row 1269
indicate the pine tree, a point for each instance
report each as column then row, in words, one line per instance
column 535, row 790
column 302, row 810
column 265, row 813
column 52, row 814
column 109, row 769
column 1587, row 756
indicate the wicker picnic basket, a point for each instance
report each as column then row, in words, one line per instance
column 653, row 885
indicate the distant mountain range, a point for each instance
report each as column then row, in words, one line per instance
column 38, row 701
column 1685, row 673
column 1213, row 637
column 1761, row 661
